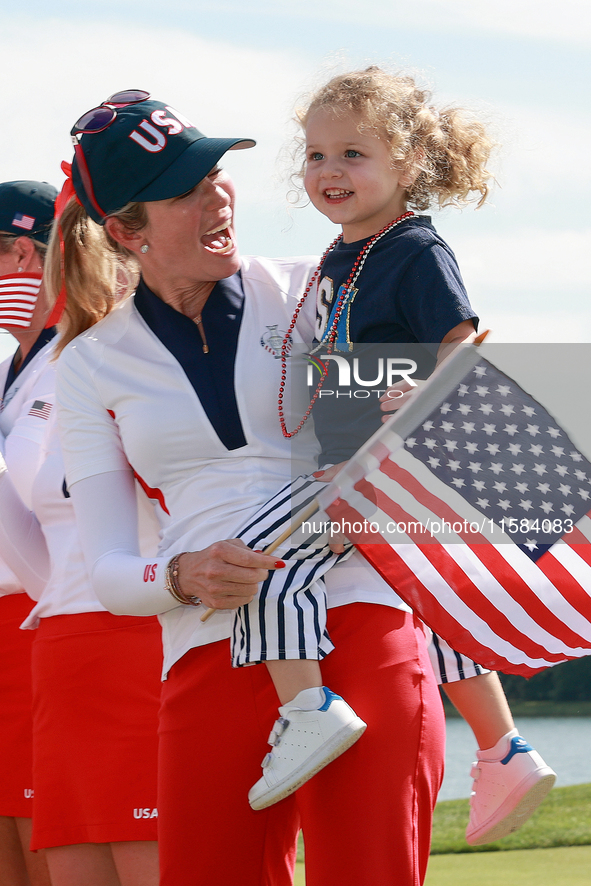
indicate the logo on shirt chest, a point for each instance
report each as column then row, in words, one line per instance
column 272, row 341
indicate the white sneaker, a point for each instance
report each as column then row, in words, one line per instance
column 303, row 743
column 506, row 790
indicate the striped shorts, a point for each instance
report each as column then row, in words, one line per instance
column 287, row 619
column 450, row 666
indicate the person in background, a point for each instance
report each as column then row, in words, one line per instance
column 95, row 677
column 26, row 214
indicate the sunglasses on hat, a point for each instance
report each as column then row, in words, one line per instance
column 98, row 119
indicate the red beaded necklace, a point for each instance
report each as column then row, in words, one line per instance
column 330, row 337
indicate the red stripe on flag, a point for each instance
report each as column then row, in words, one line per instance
column 493, row 560
column 396, row 573
column 387, row 562
column 480, row 604
column 522, row 592
column 14, row 301
column 444, row 511
column 569, row 588
column 392, row 509
column 579, row 543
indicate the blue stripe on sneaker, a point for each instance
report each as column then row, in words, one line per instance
column 330, row 696
column 517, row 745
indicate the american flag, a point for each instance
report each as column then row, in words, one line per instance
column 23, row 221
column 18, row 296
column 40, row 409
column 475, row 505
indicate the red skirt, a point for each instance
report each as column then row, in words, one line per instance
column 16, row 779
column 96, row 693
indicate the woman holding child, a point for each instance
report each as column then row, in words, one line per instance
column 177, row 386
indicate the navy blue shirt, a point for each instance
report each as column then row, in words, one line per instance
column 409, row 293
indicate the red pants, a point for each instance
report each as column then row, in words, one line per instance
column 366, row 817
column 16, row 731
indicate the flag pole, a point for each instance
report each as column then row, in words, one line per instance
column 297, row 522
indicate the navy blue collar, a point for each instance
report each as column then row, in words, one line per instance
column 211, row 375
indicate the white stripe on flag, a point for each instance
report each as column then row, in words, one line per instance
column 465, row 615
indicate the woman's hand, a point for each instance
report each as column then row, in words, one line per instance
column 225, row 575
column 330, row 473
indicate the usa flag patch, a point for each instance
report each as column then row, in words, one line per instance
column 23, row 221
column 40, row 409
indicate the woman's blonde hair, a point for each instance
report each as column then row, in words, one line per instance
column 446, row 150
column 96, row 270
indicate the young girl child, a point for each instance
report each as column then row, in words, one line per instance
column 373, row 147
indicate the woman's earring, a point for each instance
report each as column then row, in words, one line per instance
column 20, row 270
column 144, row 248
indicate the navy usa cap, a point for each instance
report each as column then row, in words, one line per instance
column 148, row 151
column 27, row 208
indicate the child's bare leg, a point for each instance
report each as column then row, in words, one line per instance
column 482, row 703
column 291, row 676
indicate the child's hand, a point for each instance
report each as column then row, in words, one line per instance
column 396, row 396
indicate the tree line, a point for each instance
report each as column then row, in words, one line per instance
column 570, row 681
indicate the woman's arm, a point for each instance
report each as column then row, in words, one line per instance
column 100, row 482
column 223, row 576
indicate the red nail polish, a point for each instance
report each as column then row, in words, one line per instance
column 318, row 473
column 279, row 564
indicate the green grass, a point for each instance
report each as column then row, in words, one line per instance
column 526, row 867
column 563, row 819
column 300, row 877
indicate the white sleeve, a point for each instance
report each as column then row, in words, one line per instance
column 22, row 543
column 102, row 488
column 88, row 433
column 106, row 513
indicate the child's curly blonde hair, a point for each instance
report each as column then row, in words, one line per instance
column 446, row 150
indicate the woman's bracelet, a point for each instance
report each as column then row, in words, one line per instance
column 171, row 583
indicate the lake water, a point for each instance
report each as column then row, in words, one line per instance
column 563, row 742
